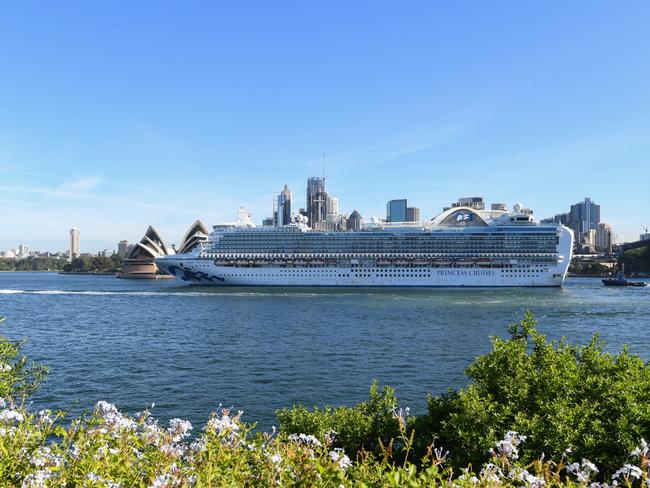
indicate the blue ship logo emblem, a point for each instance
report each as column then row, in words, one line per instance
column 467, row 217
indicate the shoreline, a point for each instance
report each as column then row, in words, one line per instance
column 99, row 273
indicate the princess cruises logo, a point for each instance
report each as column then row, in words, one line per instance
column 467, row 217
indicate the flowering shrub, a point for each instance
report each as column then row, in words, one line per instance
column 111, row 449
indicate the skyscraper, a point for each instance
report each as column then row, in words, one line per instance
column 74, row 243
column 332, row 206
column 354, row 221
column 284, row 207
column 316, row 201
column 584, row 216
column 604, row 237
column 396, row 211
column 412, row 214
column 122, row 247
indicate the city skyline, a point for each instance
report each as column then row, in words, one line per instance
column 427, row 103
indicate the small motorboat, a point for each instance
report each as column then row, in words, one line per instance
column 620, row 280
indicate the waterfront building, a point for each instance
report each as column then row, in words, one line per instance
column 74, row 242
column 283, row 210
column 316, row 201
column 122, row 248
column 196, row 234
column 139, row 263
column 268, row 222
column 355, row 221
column 588, row 241
column 584, row 216
column 412, row 214
column 604, row 238
column 23, row 250
column 396, row 210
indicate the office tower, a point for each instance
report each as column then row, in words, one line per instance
column 332, row 206
column 316, row 201
column 122, row 247
column 604, row 237
column 412, row 214
column 283, row 211
column 584, row 216
column 396, row 211
column 354, row 221
column 74, row 243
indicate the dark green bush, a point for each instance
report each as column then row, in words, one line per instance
column 563, row 397
column 363, row 426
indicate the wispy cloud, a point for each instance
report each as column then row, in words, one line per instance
column 81, row 185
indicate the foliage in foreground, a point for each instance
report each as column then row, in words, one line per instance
column 110, row 449
column 562, row 397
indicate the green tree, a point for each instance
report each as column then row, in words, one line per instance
column 636, row 260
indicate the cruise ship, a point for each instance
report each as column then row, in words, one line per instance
column 461, row 247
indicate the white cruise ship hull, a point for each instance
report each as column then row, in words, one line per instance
column 205, row 272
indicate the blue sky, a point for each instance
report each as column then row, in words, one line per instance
column 117, row 115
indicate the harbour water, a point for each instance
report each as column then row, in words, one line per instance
column 189, row 349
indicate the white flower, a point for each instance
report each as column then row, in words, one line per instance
column 628, row 471
column 583, row 472
column 160, row 481
column 508, row 446
column 45, row 416
column 11, row 415
column 4, row 367
column 339, row 457
column 220, row 424
column 175, row 450
column 276, row 458
column 534, row 481
column 179, row 429
column 330, row 436
column 37, row 479
column 304, row 439
column 641, row 451
column 491, row 472
column 113, row 417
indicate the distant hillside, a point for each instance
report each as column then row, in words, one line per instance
column 636, row 260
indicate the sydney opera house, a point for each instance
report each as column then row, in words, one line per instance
column 140, row 264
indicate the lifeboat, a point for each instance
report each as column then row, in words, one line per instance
column 402, row 262
column 384, row 262
column 420, row 262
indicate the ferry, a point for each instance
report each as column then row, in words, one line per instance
column 461, row 247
